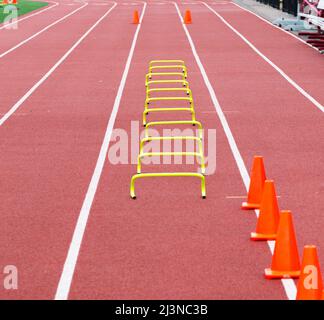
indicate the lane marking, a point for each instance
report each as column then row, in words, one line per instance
column 64, row 285
column 42, row 30
column 288, row 284
column 31, row 15
column 274, row 26
column 265, row 58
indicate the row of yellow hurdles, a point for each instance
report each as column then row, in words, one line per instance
column 159, row 72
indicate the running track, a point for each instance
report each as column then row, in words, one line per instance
column 168, row 243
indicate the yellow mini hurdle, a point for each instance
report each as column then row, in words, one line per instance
column 148, row 100
column 176, row 153
column 171, row 174
column 191, row 110
column 149, row 76
column 184, row 83
column 148, row 139
column 169, row 109
column 173, row 122
column 166, row 61
column 198, row 154
column 174, row 66
column 186, row 90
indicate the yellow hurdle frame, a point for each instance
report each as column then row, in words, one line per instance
column 187, row 90
column 169, row 109
column 148, row 139
column 149, row 76
column 147, row 110
column 184, row 83
column 174, row 66
column 171, row 174
column 176, row 153
column 200, row 149
column 148, row 100
column 173, row 122
column 166, row 61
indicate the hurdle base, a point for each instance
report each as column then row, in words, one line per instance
column 272, row 274
column 262, row 237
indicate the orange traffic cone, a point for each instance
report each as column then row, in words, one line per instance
column 285, row 260
column 310, row 284
column 268, row 220
column 187, row 17
column 135, row 17
column 256, row 185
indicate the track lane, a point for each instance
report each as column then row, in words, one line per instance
column 169, row 244
column 267, row 117
column 47, row 156
column 29, row 25
column 303, row 64
column 17, row 45
column 49, row 48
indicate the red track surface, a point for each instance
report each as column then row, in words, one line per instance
column 168, row 243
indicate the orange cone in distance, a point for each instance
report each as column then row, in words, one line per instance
column 256, row 185
column 268, row 219
column 310, row 284
column 285, row 260
column 135, row 17
column 187, row 18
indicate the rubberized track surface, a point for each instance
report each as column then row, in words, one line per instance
column 168, row 243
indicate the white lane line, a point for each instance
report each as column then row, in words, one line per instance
column 289, row 284
column 64, row 285
column 30, row 15
column 274, row 26
column 42, row 30
column 272, row 64
column 56, row 65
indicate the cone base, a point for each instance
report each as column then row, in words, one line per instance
column 187, row 22
column 272, row 274
column 262, row 237
column 250, row 206
column 309, row 296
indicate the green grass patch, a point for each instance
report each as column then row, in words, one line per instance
column 24, row 6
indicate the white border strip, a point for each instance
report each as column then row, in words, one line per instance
column 289, row 284
column 30, row 15
column 48, row 73
column 272, row 64
column 41, row 31
column 64, row 285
